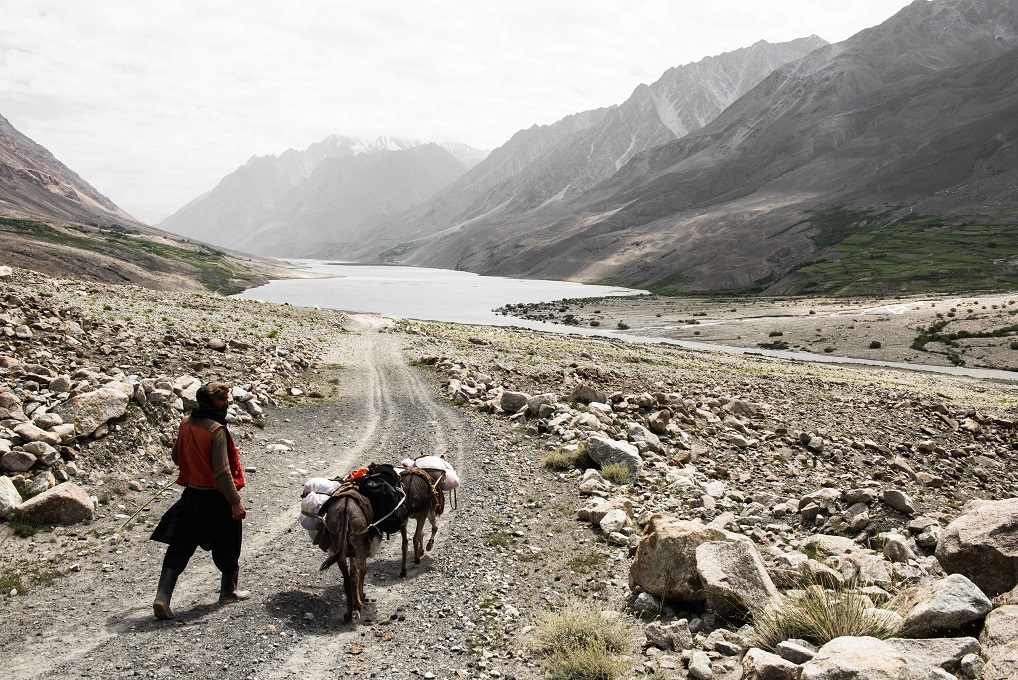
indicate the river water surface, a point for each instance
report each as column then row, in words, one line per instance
column 462, row 297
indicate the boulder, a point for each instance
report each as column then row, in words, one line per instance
column 658, row 421
column 828, row 545
column 535, row 403
column 65, row 503
column 17, row 461
column 1000, row 638
column 665, row 562
column 734, row 578
column 857, row 658
column 603, row 451
column 674, row 635
column 10, row 499
column 761, row 665
column 898, row 500
column 90, row 410
column 584, row 394
column 512, row 402
column 638, row 433
column 599, row 511
column 982, row 544
column 949, row 604
column 30, row 432
column 927, row 654
column 613, row 520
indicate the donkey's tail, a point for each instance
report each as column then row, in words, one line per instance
column 339, row 541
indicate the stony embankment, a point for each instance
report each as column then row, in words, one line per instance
column 739, row 480
column 94, row 378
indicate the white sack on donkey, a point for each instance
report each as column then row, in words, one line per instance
column 317, row 490
column 437, row 467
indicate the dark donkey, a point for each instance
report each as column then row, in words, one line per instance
column 425, row 501
column 347, row 535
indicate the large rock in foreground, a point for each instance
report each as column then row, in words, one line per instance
column 982, row 545
column 90, row 410
column 1000, row 637
column 63, row 504
column 665, row 563
column 950, row 603
column 857, row 658
column 9, row 496
column 734, row 578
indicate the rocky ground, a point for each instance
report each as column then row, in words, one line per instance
column 978, row 331
column 774, row 451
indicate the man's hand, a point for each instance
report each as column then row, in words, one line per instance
column 239, row 511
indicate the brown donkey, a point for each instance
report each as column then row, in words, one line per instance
column 345, row 534
column 425, row 500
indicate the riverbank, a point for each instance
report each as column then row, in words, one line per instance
column 979, row 331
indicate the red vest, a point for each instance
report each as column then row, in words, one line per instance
column 194, row 455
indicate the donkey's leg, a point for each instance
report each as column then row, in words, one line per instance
column 434, row 528
column 419, row 540
column 402, row 531
column 358, row 565
column 348, row 586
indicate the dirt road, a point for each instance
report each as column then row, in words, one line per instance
column 96, row 620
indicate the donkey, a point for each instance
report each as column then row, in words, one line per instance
column 345, row 535
column 424, row 500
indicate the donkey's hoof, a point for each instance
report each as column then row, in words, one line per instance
column 431, row 544
column 402, row 574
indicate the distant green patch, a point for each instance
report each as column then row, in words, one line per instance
column 669, row 285
column 865, row 254
column 214, row 271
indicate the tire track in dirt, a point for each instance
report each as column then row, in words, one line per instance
column 102, row 623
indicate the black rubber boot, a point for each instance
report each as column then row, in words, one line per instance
column 164, row 591
column 228, row 592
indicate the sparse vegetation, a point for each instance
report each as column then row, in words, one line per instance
column 820, row 614
column 578, row 642
column 615, row 472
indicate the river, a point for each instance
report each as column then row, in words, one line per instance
column 466, row 298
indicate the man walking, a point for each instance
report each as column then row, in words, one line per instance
column 210, row 511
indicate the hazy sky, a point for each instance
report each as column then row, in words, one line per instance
column 154, row 102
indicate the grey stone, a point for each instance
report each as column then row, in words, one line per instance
column 17, row 461
column 46, row 420
column 646, row 606
column 856, row 658
column 761, row 665
column 603, row 451
column 982, row 544
column 898, row 500
column 90, row 410
column 638, row 433
column 796, row 652
column 951, row 603
column 584, row 394
column 926, row 654
column 10, row 499
column 30, row 432
column 59, row 384
column 513, row 402
column 674, row 635
column 63, row 504
column 734, row 578
column 699, row 666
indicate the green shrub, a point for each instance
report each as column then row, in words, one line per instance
column 615, row 472
column 775, row 334
column 622, row 326
column 875, row 344
column 577, row 642
column 819, row 615
column 563, row 460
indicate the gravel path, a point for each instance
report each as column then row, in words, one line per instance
column 453, row 617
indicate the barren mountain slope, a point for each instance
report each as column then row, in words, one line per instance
column 878, row 119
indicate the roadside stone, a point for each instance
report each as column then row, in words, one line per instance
column 734, row 578
column 603, row 451
column 699, row 666
column 665, row 562
column 798, row 652
column 90, row 410
column 982, row 544
column 898, row 500
column 43, row 452
column 513, row 402
column 856, row 658
column 761, row 665
column 930, row 653
column 31, row 432
column 949, row 604
column 65, row 503
column 17, row 461
column 10, row 499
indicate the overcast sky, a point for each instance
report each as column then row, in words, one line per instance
column 154, row 102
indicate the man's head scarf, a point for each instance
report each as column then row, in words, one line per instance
column 205, row 408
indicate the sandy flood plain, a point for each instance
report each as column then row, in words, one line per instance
column 883, row 329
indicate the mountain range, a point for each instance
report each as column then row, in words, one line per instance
column 300, row 202
column 916, row 114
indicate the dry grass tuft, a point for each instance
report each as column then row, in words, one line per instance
column 578, row 642
column 616, row 472
column 821, row 614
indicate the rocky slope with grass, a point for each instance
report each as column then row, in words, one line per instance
column 712, row 511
